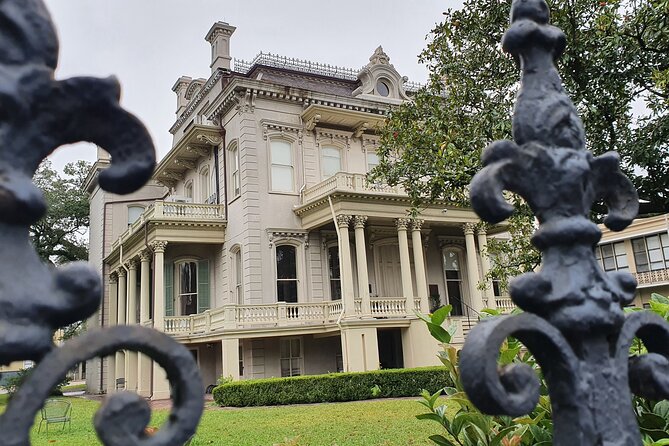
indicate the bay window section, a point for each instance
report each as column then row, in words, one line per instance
column 286, row 273
column 282, row 171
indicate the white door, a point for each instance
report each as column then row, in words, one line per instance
column 389, row 268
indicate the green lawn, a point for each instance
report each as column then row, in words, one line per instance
column 368, row 423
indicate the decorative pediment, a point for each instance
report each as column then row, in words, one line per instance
column 277, row 235
column 380, row 80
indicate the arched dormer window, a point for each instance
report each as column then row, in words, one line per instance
column 330, row 161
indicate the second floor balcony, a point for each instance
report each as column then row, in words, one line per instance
column 348, row 183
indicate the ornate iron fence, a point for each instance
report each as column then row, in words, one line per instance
column 573, row 321
column 37, row 115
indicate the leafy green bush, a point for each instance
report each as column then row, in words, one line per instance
column 12, row 384
column 332, row 387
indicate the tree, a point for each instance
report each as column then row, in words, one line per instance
column 615, row 68
column 59, row 236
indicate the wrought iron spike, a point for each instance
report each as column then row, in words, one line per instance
column 38, row 114
column 577, row 329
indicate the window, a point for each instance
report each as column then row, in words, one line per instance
column 372, row 160
column 330, row 161
column 239, row 284
column 205, row 190
column 188, row 190
column 281, row 153
column 241, row 360
column 651, row 253
column 382, row 88
column 612, row 256
column 335, row 272
column 286, row 273
column 187, row 297
column 134, row 212
column 453, row 277
column 291, row 357
column 235, row 184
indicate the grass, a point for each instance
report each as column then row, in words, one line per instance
column 368, row 423
column 74, row 388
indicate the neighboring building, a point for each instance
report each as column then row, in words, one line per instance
column 266, row 251
column 643, row 250
column 11, row 370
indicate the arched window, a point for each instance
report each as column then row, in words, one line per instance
column 205, row 183
column 286, row 273
column 188, row 190
column 282, row 172
column 330, row 161
column 453, row 276
column 134, row 212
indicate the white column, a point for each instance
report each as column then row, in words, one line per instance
column 230, row 357
column 120, row 318
column 111, row 359
column 475, row 299
column 131, row 319
column 488, row 293
column 361, row 258
column 346, row 265
column 161, row 386
column 419, row 264
column 405, row 263
column 144, row 362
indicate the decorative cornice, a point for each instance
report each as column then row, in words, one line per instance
column 275, row 127
column 159, row 246
column 343, row 221
column 402, row 223
column 359, row 221
column 287, row 234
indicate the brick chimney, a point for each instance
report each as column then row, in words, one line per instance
column 180, row 87
column 219, row 38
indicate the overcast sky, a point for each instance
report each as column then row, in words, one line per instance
column 148, row 44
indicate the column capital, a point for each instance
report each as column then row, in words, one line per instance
column 359, row 221
column 402, row 223
column 159, row 246
column 145, row 255
column 343, row 221
column 417, row 224
column 120, row 272
column 113, row 277
column 131, row 264
column 468, row 228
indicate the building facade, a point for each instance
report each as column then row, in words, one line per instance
column 261, row 245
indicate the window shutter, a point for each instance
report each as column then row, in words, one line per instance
column 202, row 286
column 169, row 289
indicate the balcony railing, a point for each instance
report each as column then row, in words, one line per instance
column 173, row 211
column 652, row 277
column 279, row 314
column 348, row 182
column 505, row 304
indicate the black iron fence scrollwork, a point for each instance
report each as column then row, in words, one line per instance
column 573, row 321
column 37, row 115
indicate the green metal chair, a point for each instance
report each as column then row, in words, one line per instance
column 56, row 411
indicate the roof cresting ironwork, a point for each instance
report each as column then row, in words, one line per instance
column 574, row 322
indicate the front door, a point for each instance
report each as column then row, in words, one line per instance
column 389, row 268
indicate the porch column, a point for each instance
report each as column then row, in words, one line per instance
column 419, row 264
column 405, row 263
column 361, row 257
column 131, row 318
column 161, row 386
column 111, row 359
column 489, row 292
column 144, row 362
column 230, row 358
column 120, row 319
column 346, row 265
column 475, row 299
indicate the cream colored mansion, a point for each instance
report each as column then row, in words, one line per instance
column 261, row 246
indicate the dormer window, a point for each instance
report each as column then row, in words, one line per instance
column 382, row 88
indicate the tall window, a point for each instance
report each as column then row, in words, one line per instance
column 335, row 272
column 651, row 253
column 291, row 357
column 286, row 273
column 330, row 161
column 134, row 212
column 239, row 285
column 205, row 190
column 188, row 190
column 372, row 160
column 612, row 256
column 235, row 183
column 187, row 298
column 453, row 277
column 282, row 174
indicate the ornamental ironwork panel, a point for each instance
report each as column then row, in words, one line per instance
column 573, row 322
column 38, row 114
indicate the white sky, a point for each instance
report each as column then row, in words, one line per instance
column 148, row 44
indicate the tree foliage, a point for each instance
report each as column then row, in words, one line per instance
column 59, row 236
column 615, row 68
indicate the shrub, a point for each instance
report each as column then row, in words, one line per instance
column 332, row 387
column 12, row 384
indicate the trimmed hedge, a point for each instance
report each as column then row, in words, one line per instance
column 332, row 387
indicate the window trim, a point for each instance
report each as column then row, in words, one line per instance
column 234, row 161
column 299, row 267
column 270, row 164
